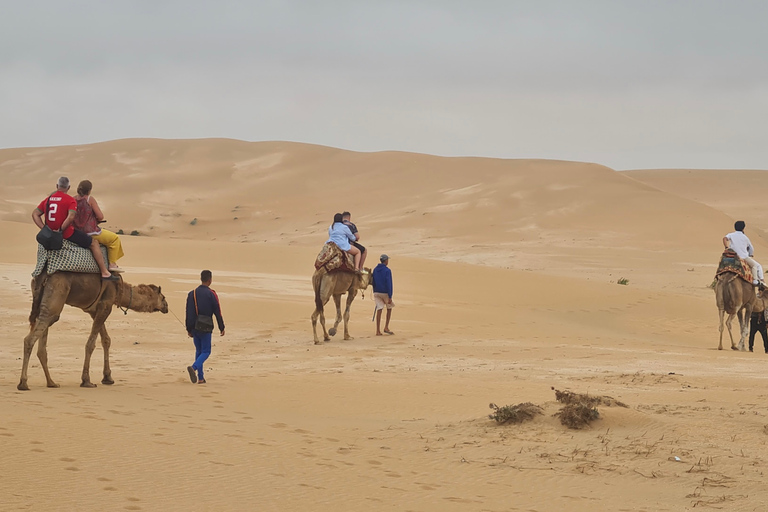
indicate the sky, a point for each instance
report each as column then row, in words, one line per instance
column 628, row 84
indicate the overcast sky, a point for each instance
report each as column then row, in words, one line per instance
column 629, row 84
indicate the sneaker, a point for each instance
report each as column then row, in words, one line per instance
column 116, row 270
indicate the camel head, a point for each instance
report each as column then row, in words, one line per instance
column 146, row 298
column 365, row 280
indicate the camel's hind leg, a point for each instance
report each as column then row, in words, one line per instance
column 722, row 320
column 728, row 323
column 106, row 342
column 42, row 355
column 337, row 301
column 744, row 325
column 49, row 313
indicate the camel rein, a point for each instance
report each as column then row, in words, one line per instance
column 120, row 294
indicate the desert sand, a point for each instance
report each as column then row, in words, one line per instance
column 505, row 277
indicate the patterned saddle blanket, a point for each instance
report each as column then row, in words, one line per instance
column 730, row 262
column 70, row 258
column 332, row 258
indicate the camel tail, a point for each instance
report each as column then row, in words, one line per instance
column 38, row 286
column 317, row 278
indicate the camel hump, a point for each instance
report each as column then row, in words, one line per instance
column 332, row 258
column 70, row 258
column 731, row 263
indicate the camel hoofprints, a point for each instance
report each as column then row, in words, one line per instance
column 336, row 284
column 735, row 297
column 94, row 296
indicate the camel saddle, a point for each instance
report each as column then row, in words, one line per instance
column 70, row 258
column 332, row 259
column 730, row 262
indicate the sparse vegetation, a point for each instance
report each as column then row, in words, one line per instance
column 135, row 233
column 193, row 221
column 120, row 232
column 514, row 413
column 623, row 280
column 579, row 410
column 577, row 415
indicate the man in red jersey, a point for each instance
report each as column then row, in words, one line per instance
column 58, row 211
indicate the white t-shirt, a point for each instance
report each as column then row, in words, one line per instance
column 740, row 244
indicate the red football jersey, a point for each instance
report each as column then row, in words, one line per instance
column 59, row 205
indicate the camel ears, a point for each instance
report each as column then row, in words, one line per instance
column 159, row 289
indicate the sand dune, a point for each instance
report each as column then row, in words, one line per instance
column 505, row 280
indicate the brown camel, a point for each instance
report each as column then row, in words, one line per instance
column 736, row 297
column 94, row 296
column 336, row 284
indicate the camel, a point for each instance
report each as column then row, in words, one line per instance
column 734, row 296
column 94, row 296
column 336, row 284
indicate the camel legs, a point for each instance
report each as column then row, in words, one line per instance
column 42, row 355
column 722, row 320
column 350, row 298
column 744, row 325
column 99, row 317
column 728, row 323
column 106, row 342
column 49, row 314
column 337, row 301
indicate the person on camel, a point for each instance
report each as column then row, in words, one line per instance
column 87, row 219
column 347, row 219
column 59, row 210
column 340, row 234
column 739, row 243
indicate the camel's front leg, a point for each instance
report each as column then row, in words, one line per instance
column 106, row 342
column 350, row 298
column 98, row 322
column 337, row 301
column 42, row 354
column 722, row 319
column 744, row 324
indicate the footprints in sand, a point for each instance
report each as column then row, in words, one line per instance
column 111, row 488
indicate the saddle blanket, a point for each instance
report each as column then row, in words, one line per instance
column 332, row 258
column 70, row 258
column 730, row 262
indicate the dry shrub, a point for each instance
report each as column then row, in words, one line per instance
column 569, row 397
column 514, row 413
column 577, row 415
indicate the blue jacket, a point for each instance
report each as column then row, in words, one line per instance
column 382, row 280
column 207, row 304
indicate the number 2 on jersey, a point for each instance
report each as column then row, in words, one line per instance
column 52, row 209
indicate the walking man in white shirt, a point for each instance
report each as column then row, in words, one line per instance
column 741, row 245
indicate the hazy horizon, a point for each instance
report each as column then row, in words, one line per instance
column 627, row 84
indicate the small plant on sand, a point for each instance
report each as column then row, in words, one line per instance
column 623, row 280
column 120, row 232
column 577, row 416
column 135, row 233
column 193, row 222
column 514, row 413
column 579, row 410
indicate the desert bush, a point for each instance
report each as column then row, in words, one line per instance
column 135, row 233
column 514, row 413
column 623, row 280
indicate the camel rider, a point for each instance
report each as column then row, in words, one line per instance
column 741, row 245
column 340, row 234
